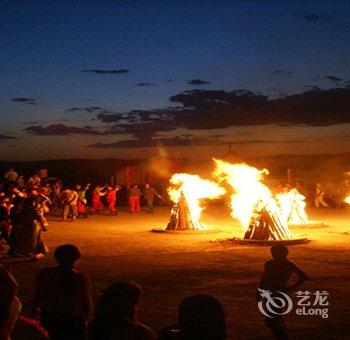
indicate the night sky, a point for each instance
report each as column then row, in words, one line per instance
column 139, row 79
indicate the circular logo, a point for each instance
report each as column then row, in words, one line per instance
column 274, row 303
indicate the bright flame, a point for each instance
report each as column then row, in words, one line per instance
column 250, row 195
column 292, row 205
column 194, row 189
column 347, row 199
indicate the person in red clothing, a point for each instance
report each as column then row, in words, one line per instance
column 96, row 199
column 134, row 198
column 111, row 197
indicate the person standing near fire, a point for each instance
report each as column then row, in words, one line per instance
column 11, row 176
column 97, row 205
column 111, row 198
column 149, row 194
column 69, row 199
column 81, row 206
column 134, row 198
column 34, row 181
column 319, row 196
column 276, row 281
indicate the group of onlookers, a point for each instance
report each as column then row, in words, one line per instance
column 63, row 308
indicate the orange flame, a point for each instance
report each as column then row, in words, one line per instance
column 195, row 190
column 250, row 193
column 292, row 205
column 347, row 199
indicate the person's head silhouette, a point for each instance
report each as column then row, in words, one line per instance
column 119, row 301
column 279, row 252
column 67, row 254
column 201, row 317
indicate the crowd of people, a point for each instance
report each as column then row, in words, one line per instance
column 62, row 301
column 24, row 205
column 63, row 308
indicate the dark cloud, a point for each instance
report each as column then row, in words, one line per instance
column 316, row 78
column 155, row 142
column 169, row 80
column 74, row 109
column 197, row 82
column 64, row 120
column 333, row 78
column 109, row 118
column 313, row 16
column 30, row 123
column 146, row 130
column 89, row 109
column 6, row 137
column 93, row 109
column 284, row 72
column 99, row 71
column 60, row 130
column 181, row 142
column 219, row 109
column 145, row 84
column 25, row 100
column 144, row 123
column 312, row 87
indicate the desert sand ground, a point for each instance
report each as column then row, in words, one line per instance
column 170, row 267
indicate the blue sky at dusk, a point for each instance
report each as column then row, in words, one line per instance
column 73, row 72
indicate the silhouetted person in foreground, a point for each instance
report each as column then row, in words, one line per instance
column 63, row 296
column 276, row 278
column 115, row 317
column 200, row 317
column 28, row 329
column 10, row 305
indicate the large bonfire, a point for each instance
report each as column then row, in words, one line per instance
column 263, row 215
column 188, row 193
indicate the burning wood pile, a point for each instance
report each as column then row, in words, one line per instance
column 264, row 216
column 188, row 193
column 180, row 217
column 265, row 227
